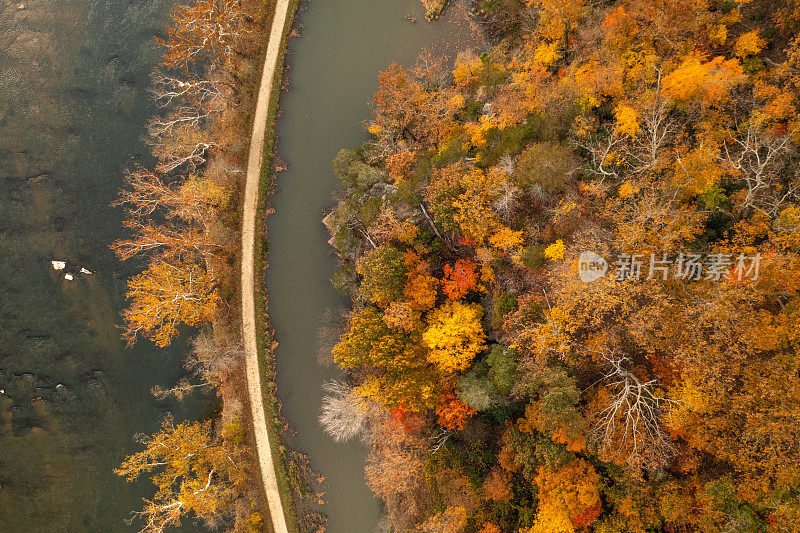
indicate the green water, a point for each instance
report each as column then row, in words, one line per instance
column 73, row 101
column 342, row 47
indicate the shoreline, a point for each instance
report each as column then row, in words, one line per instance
column 260, row 368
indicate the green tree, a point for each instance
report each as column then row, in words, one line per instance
column 383, row 272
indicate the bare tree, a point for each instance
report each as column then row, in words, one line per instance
column 146, row 193
column 211, row 358
column 179, row 142
column 206, row 29
column 601, row 152
column 658, row 128
column 507, row 163
column 172, row 242
column 755, row 157
column 189, row 103
column 630, row 426
column 343, row 411
column 172, row 90
column 506, row 201
column 438, row 439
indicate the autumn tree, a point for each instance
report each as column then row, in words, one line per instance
column 395, row 370
column 459, row 279
column 400, row 315
column 454, row 336
column 394, row 468
column 171, row 242
column 406, row 114
column 420, row 288
column 464, row 201
column 452, row 413
column 196, row 473
column 662, row 137
column 568, row 498
column 201, row 30
column 631, row 426
column 147, row 193
column 451, row 520
column 166, row 295
column 179, row 142
column 188, row 208
column 383, row 272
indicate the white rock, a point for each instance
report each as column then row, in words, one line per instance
column 84, row 271
column 58, row 265
column 69, row 277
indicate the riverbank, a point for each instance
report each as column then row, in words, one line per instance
column 235, row 94
column 258, row 343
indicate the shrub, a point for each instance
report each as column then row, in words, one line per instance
column 502, row 304
column 477, row 389
column 353, row 172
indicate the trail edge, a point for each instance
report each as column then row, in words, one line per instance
column 250, row 208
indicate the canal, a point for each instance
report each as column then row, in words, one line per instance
column 343, row 45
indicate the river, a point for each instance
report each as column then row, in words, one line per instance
column 343, row 45
column 74, row 76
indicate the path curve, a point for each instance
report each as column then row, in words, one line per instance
column 250, row 208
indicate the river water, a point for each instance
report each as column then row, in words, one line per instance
column 74, row 76
column 343, row 45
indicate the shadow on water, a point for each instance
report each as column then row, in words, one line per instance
column 73, row 100
column 343, row 45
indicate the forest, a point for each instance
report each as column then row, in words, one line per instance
column 573, row 260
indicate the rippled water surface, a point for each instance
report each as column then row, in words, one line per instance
column 73, row 102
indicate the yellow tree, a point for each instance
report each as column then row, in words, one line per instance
column 174, row 242
column 454, row 336
column 463, row 199
column 558, row 17
column 165, row 296
column 568, row 498
column 195, row 473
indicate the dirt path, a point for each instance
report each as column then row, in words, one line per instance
column 254, row 161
